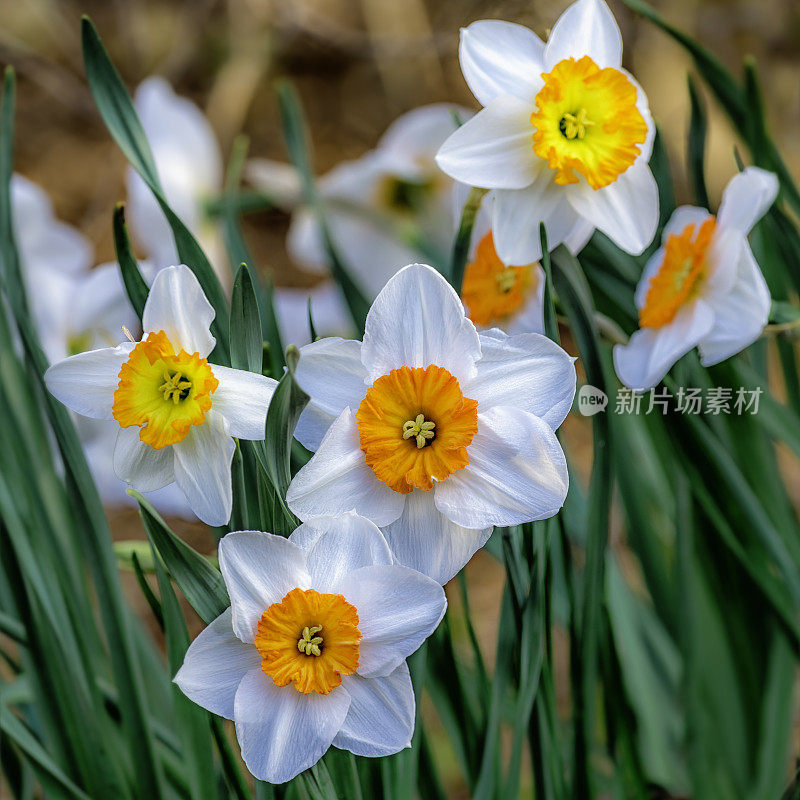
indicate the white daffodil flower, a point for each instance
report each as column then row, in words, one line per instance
column 431, row 430
column 189, row 166
column 565, row 135
column 703, row 287
column 379, row 207
column 312, row 651
column 177, row 413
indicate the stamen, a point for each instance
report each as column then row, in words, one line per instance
column 574, row 125
column 175, row 387
column 128, row 335
column 506, row 280
column 421, row 430
column 309, row 643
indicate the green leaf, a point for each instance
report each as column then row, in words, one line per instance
column 135, row 285
column 9, row 258
column 295, row 133
column 193, row 721
column 458, row 259
column 696, row 150
column 246, row 343
column 274, row 453
column 117, row 110
column 201, row 584
column 550, row 321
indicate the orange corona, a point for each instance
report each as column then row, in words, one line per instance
column 493, row 292
column 587, row 122
column 163, row 392
column 415, row 425
column 310, row 640
column 679, row 276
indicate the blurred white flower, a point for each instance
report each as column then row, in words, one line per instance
column 328, row 311
column 388, row 208
column 312, row 651
column 76, row 308
column 177, row 413
column 189, row 165
column 430, row 429
column 702, row 287
column 565, row 134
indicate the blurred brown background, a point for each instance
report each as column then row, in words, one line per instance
column 358, row 65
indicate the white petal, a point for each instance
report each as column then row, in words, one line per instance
column 516, row 215
column 142, row 466
column 424, row 539
column 185, row 149
column 277, row 179
column 45, row 243
column 682, row 217
column 516, row 473
column 328, row 310
column 304, row 242
column 418, row 320
column 499, row 58
column 243, row 399
column 527, row 371
column 579, row 235
column 398, row 608
column 651, row 268
column 530, row 318
column 381, row 717
column 214, row 666
column 626, row 210
column 739, row 316
column 331, row 373
column 203, row 469
column 98, row 306
column 176, row 305
column 650, row 353
column 746, row 199
column 409, row 144
column 282, row 731
column 494, row 149
column 259, row 570
column 86, row 382
column 338, row 479
column 586, row 28
column 335, row 546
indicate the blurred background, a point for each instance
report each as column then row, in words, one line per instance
column 358, row 64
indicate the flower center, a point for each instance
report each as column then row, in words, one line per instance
column 680, row 275
column 309, row 643
column 574, row 125
column 414, row 426
column 421, row 430
column 493, row 292
column 587, row 122
column 162, row 392
column 291, row 649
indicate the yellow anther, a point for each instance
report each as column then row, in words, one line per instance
column 175, row 386
column 506, row 280
column 419, row 429
column 309, row 643
column 574, row 126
